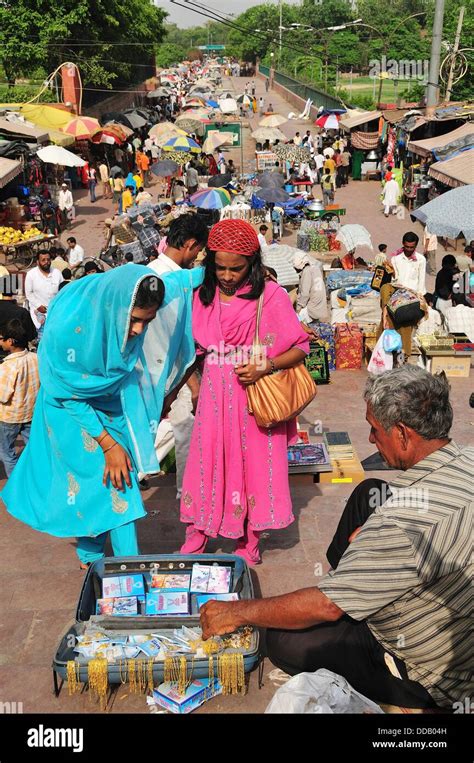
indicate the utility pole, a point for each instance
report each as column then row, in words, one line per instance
column 432, row 91
column 449, row 86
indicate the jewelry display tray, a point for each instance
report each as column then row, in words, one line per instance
column 241, row 583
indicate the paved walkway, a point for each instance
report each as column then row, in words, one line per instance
column 39, row 576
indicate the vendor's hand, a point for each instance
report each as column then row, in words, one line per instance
column 309, row 330
column 117, row 467
column 354, row 534
column 42, row 309
column 251, row 372
column 218, row 618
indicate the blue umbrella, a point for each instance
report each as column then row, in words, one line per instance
column 449, row 214
column 214, row 104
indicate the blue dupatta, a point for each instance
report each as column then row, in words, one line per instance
column 93, row 378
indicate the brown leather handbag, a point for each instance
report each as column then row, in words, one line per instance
column 278, row 397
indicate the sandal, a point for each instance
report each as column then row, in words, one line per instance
column 84, row 566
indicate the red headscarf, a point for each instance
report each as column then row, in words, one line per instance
column 234, row 236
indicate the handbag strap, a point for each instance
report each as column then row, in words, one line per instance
column 256, row 340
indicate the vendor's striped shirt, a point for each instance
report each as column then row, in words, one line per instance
column 409, row 573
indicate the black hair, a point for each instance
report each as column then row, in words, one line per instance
column 263, row 227
column 382, row 247
column 128, row 257
column 468, row 249
column 60, row 251
column 91, row 265
column 429, row 298
column 410, row 237
column 256, row 278
column 186, row 227
column 14, row 329
column 67, row 274
column 448, row 261
column 150, row 293
column 272, row 271
column 71, row 238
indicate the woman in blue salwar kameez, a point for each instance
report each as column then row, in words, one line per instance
column 104, row 376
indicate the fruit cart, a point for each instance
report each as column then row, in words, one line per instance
column 21, row 247
column 329, row 216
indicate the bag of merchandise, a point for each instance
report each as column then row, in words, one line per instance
column 325, row 335
column 380, row 360
column 320, row 692
column 391, row 341
column 349, row 346
column 404, row 308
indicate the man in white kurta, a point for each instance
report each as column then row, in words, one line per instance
column 391, row 194
column 41, row 285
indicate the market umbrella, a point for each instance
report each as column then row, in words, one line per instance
column 272, row 195
column 116, row 170
column 354, row 235
column 270, row 180
column 182, row 143
column 211, row 198
column 328, row 153
column 180, row 157
column 216, row 139
column 194, row 102
column 328, row 121
column 134, row 120
column 61, row 156
column 273, row 120
column 112, row 133
column 201, row 94
column 450, row 214
column 228, row 105
column 213, row 104
column 164, row 127
column 244, row 99
column 164, row 168
column 219, row 181
column 81, row 128
column 161, row 92
column 191, row 124
column 261, row 134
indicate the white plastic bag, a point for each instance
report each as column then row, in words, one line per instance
column 320, row 692
column 380, row 360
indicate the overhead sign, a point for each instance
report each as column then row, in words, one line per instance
column 211, row 47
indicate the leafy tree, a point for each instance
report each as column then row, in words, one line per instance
column 95, row 34
column 168, row 54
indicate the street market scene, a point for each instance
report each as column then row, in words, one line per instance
column 237, row 338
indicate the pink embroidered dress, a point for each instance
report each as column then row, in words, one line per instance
column 237, row 473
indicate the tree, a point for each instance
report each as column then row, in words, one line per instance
column 168, row 54
column 95, row 34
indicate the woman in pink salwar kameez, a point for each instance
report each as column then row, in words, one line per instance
column 236, row 479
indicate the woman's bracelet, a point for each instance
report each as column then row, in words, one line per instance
column 102, row 438
column 273, row 369
column 110, row 448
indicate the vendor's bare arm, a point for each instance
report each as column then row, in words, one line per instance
column 292, row 611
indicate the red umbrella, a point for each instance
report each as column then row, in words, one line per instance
column 329, row 121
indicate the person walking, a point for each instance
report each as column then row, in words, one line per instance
column 105, row 180
column 328, row 187
column 65, row 204
column 430, row 246
column 390, row 196
column 92, row 182
column 41, row 285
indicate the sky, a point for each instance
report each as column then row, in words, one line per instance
column 186, row 17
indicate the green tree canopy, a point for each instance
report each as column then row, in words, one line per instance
column 95, row 34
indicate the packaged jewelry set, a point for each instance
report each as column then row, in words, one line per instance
column 155, row 643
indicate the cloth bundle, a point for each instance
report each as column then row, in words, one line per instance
column 326, row 339
column 347, row 278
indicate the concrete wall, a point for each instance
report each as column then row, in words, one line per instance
column 119, row 102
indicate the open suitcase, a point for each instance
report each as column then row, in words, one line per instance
column 241, row 583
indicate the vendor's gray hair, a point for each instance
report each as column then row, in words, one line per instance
column 414, row 397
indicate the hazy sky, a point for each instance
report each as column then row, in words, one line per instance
column 186, row 17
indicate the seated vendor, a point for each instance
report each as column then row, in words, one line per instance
column 393, row 614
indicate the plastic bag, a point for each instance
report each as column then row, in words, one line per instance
column 391, row 340
column 320, row 692
column 380, row 360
